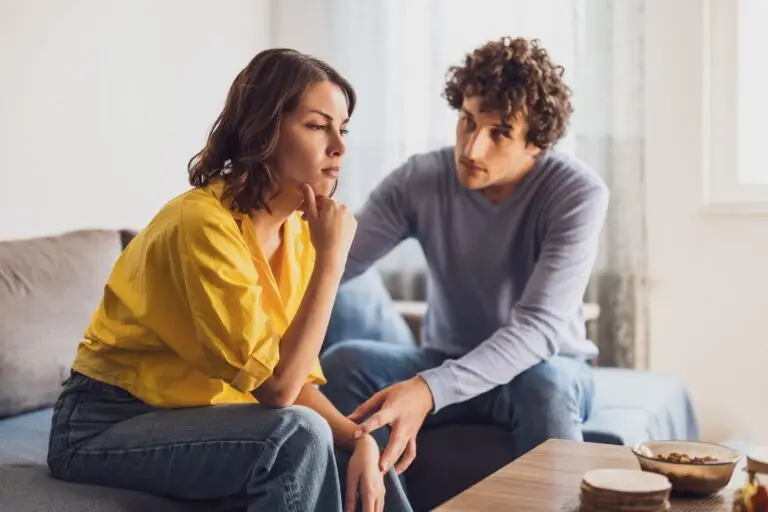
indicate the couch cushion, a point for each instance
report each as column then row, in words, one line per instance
column 24, row 438
column 49, row 288
column 635, row 406
column 364, row 310
column 29, row 488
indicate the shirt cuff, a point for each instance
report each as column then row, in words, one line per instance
column 316, row 375
column 439, row 382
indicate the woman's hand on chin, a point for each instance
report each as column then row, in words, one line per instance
column 331, row 225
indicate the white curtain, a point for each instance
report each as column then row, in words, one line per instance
column 396, row 54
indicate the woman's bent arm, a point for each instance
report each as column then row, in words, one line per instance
column 301, row 343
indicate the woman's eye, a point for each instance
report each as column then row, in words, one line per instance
column 325, row 128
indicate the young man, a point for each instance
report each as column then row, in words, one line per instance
column 510, row 232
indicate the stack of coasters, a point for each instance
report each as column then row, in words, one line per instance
column 624, row 490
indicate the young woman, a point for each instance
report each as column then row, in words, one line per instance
column 197, row 377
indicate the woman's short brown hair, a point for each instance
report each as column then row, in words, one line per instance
column 515, row 76
column 246, row 132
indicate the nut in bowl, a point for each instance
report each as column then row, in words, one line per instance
column 692, row 467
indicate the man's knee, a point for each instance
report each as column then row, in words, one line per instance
column 547, row 381
column 546, row 402
column 347, row 358
column 549, row 392
column 346, row 366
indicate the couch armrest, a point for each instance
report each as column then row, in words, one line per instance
column 413, row 312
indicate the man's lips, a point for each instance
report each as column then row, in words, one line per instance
column 471, row 167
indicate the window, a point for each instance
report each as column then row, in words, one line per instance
column 752, row 87
column 736, row 106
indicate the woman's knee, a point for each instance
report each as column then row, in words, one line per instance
column 307, row 429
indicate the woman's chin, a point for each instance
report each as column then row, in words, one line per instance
column 324, row 187
column 321, row 187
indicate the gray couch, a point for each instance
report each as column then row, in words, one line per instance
column 49, row 288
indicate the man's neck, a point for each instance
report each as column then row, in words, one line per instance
column 499, row 192
column 496, row 194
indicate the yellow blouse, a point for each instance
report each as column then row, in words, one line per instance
column 192, row 313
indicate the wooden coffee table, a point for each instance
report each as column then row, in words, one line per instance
column 548, row 479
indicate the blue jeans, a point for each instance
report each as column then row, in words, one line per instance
column 551, row 399
column 231, row 455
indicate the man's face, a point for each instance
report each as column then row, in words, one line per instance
column 491, row 152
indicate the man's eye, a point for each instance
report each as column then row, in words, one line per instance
column 344, row 131
column 470, row 124
column 497, row 135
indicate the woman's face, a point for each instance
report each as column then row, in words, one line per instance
column 310, row 145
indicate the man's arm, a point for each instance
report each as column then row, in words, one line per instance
column 385, row 220
column 538, row 320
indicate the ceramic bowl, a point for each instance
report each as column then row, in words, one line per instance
column 697, row 478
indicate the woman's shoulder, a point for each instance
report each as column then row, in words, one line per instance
column 196, row 215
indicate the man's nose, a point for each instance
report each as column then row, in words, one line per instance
column 476, row 146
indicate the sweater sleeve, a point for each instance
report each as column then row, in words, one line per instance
column 385, row 220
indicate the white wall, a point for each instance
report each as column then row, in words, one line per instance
column 103, row 102
column 709, row 274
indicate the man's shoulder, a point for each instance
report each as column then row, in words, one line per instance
column 429, row 166
column 436, row 160
column 565, row 175
column 566, row 169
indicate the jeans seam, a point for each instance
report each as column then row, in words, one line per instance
column 292, row 494
column 275, row 443
column 120, row 451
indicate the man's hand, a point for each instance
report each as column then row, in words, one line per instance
column 403, row 406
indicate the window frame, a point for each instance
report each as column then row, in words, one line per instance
column 723, row 193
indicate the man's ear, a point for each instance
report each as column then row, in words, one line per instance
column 532, row 150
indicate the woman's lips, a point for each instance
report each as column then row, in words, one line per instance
column 331, row 172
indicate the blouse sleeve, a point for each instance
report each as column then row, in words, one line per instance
column 226, row 301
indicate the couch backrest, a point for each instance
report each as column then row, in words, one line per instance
column 126, row 235
column 49, row 289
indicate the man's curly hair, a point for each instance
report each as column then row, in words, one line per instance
column 513, row 76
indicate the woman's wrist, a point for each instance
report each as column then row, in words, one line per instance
column 364, row 440
column 329, row 264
